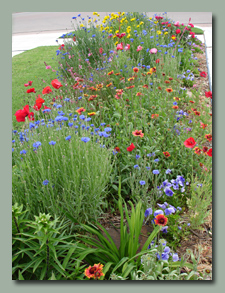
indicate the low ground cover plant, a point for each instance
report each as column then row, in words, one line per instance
column 122, row 127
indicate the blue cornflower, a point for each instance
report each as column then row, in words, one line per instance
column 68, row 137
column 137, row 157
column 88, row 119
column 82, row 117
column 148, row 168
column 37, row 144
column 136, row 167
column 108, row 129
column 142, row 182
column 12, row 149
column 93, row 36
column 23, row 152
column 168, row 171
column 155, row 172
column 79, row 98
column 103, row 124
column 59, row 106
column 85, row 139
column 148, row 212
column 45, row 182
column 179, row 227
column 70, row 124
column 175, row 257
column 13, row 140
column 52, row 142
column 67, row 99
column 156, row 160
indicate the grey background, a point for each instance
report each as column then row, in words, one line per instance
column 56, row 21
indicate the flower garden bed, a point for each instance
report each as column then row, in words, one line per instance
column 112, row 163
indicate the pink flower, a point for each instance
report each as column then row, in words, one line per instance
column 89, row 54
column 48, row 67
column 177, row 23
column 119, row 46
column 139, row 48
column 194, row 85
column 127, row 47
column 153, row 51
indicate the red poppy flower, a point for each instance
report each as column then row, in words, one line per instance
column 100, row 50
column 170, row 78
column 209, row 153
column 191, row 102
column 46, row 90
column 190, row 142
column 131, row 147
column 169, row 25
column 61, row 47
column 31, row 90
column 166, row 154
column 175, row 107
column 208, row 94
column 161, row 220
column 157, row 61
column 203, row 74
column 21, row 114
column 56, row 84
column 94, row 272
column 159, row 17
column 28, row 84
column 178, row 31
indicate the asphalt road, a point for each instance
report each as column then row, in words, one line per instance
column 33, row 22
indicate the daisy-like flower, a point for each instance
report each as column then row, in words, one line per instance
column 154, row 116
column 94, row 271
column 169, row 90
column 203, row 125
column 161, row 220
column 110, row 73
column 135, row 69
column 138, row 133
column 197, row 150
column 92, row 113
column 166, row 154
column 208, row 137
column 79, row 111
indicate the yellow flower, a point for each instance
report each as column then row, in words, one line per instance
column 123, row 13
column 132, row 19
column 116, row 32
column 116, row 43
column 89, row 20
column 155, row 22
column 165, row 33
column 159, row 32
column 150, row 18
column 94, row 19
column 128, row 36
column 141, row 23
column 126, row 21
column 95, row 13
column 81, row 25
column 106, row 28
column 104, row 21
column 138, row 25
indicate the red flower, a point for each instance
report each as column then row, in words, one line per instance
column 56, row 84
column 178, row 31
column 131, row 147
column 135, row 69
column 209, row 153
column 154, row 116
column 157, row 61
column 21, row 114
column 208, row 137
column 203, row 74
column 169, row 90
column 117, row 149
column 28, row 84
column 31, row 90
column 94, row 272
column 119, row 46
column 79, row 111
column 198, row 151
column 161, row 220
column 208, row 94
column 166, row 154
column 138, row 133
column 203, row 125
column 190, row 142
column 46, row 90
column 100, row 50
column 205, row 149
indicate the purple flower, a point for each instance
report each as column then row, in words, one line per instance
column 136, row 167
column 52, row 142
column 164, row 229
column 165, row 256
column 148, row 212
column 68, row 137
column 168, row 191
column 137, row 157
column 169, row 211
column 158, row 212
column 167, row 249
column 155, row 172
column 45, row 182
column 175, row 257
column 85, row 139
column 142, row 182
column 162, row 206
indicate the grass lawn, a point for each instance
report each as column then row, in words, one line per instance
column 29, row 66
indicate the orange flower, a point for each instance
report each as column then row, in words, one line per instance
column 85, row 95
column 143, row 74
column 138, row 94
column 131, row 78
column 92, row 113
column 145, row 86
column 117, row 73
column 203, row 125
column 175, row 107
column 197, row 150
column 117, row 149
column 170, row 78
column 110, row 73
column 197, row 113
column 99, row 86
column 176, row 98
column 94, row 272
column 167, row 81
column 169, row 90
column 79, row 111
column 135, row 69
column 154, row 116
column 138, row 133
column 166, row 154
column 208, row 137
column 191, row 102
column 130, row 87
column 108, row 85
column 161, row 220
column 159, row 88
